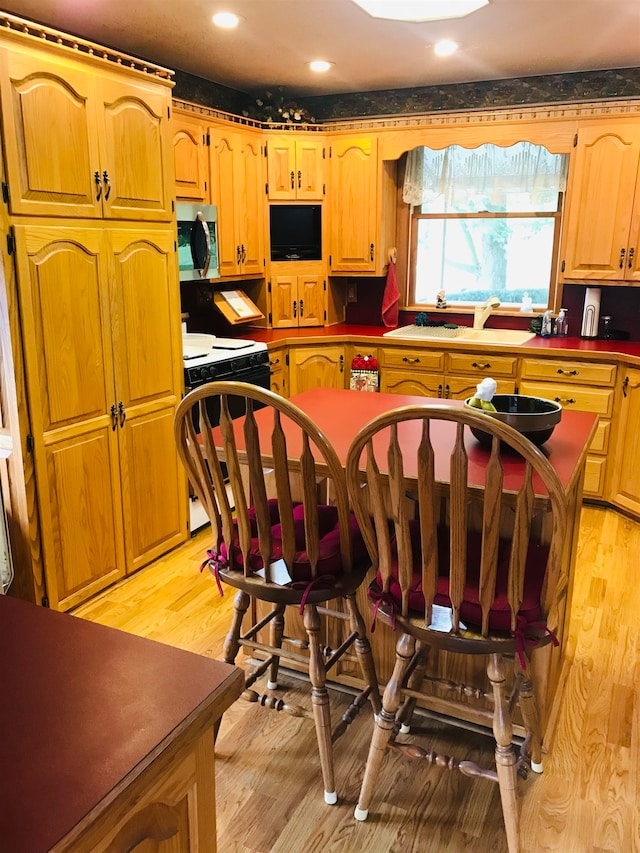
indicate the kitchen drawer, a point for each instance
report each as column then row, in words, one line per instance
column 582, row 398
column 594, row 474
column 412, row 358
column 568, row 371
column 472, row 364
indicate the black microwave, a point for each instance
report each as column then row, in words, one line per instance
column 197, row 241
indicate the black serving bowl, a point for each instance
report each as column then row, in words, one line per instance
column 534, row 417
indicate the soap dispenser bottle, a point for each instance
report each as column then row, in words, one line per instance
column 562, row 325
column 545, row 328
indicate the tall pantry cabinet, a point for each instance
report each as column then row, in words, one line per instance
column 90, row 188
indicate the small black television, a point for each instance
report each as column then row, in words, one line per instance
column 295, row 232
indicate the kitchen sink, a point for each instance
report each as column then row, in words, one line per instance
column 463, row 334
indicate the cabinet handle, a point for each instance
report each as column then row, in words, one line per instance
column 299, row 179
column 244, row 253
column 302, row 307
column 632, row 252
column 481, row 365
column 371, row 248
column 567, row 372
column 447, row 391
column 96, row 178
column 569, row 400
column 341, row 364
column 625, row 385
column 122, row 413
column 622, row 254
column 274, row 362
column 238, row 255
column 411, row 360
column 114, row 418
column 293, row 180
column 439, row 390
column 295, row 308
column 105, row 178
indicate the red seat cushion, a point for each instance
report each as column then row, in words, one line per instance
column 330, row 558
column 470, row 611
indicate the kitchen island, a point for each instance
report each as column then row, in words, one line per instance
column 108, row 738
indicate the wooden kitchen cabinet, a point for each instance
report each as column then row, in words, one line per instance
column 296, row 167
column 623, row 481
column 603, row 219
column 298, row 295
column 316, row 367
column 237, row 190
column 452, row 376
column 362, row 210
column 586, row 387
column 191, row 158
column 279, row 365
column 101, row 338
column 81, row 142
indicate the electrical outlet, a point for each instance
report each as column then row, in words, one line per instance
column 352, row 293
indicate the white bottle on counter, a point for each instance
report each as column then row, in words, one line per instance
column 562, row 324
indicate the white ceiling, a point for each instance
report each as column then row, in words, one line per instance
column 507, row 38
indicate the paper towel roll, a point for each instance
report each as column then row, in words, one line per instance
column 591, row 313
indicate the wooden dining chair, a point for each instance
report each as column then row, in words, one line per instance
column 284, row 537
column 461, row 567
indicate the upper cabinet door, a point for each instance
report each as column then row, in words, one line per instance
column 295, row 167
column 190, row 158
column 50, row 135
column 80, row 146
column 353, row 205
column 136, row 156
column 601, row 238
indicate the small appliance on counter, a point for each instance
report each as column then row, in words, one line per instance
column 591, row 313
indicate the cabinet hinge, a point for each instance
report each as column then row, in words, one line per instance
column 11, row 243
column 175, row 245
column 270, row 320
column 324, row 189
column 45, row 601
column 206, row 186
column 324, row 153
column 562, row 267
column 266, row 189
column 325, row 284
column 173, row 206
column 286, row 359
column 269, row 287
column 168, row 112
column 329, row 151
column 575, row 140
column 265, row 148
column 208, row 139
column 325, row 316
column 29, row 443
column 329, row 260
column 5, row 192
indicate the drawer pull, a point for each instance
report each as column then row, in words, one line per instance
column 567, row 372
column 568, row 401
column 411, row 360
column 481, row 365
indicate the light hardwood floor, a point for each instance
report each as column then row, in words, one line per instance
column 269, row 795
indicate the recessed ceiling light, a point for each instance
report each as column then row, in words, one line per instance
column 226, row 20
column 445, row 47
column 420, row 10
column 320, row 65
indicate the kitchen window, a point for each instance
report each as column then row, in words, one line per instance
column 484, row 222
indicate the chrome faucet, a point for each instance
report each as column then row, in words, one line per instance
column 481, row 312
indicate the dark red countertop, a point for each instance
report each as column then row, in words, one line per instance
column 347, row 333
column 83, row 707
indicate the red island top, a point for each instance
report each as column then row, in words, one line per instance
column 341, row 413
column 83, row 709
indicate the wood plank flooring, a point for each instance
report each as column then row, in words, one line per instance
column 269, row 793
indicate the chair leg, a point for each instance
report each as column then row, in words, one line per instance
column 384, row 724
column 364, row 653
column 505, row 755
column 277, row 633
column 404, row 715
column 320, row 701
column 531, row 719
column 231, row 645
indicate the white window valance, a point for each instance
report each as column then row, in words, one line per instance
column 520, row 177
